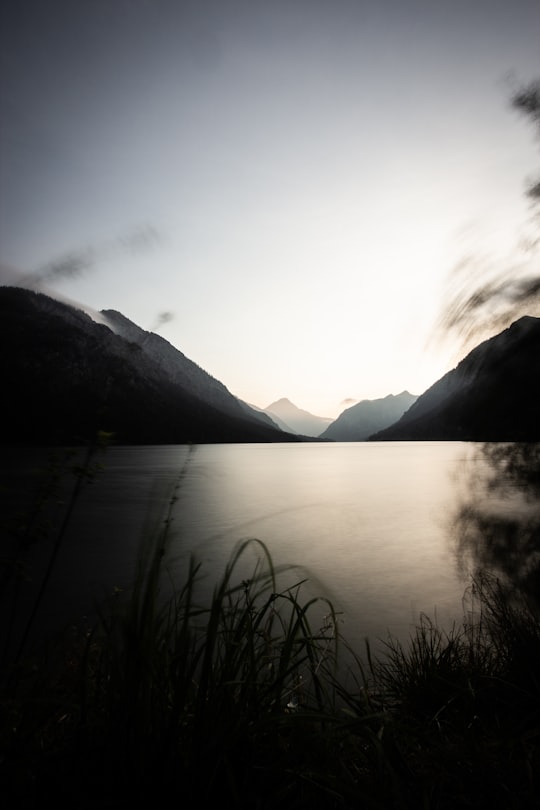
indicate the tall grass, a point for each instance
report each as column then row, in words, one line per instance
column 240, row 700
column 465, row 704
column 44, row 523
column 196, row 693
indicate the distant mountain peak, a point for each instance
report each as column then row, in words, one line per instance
column 282, row 403
column 302, row 422
column 357, row 423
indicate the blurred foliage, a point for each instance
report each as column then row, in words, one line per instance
column 497, row 527
column 482, row 298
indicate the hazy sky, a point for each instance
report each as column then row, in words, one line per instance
column 292, row 181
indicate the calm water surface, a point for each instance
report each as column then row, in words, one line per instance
column 368, row 524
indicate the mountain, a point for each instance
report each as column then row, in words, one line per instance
column 491, row 395
column 358, row 422
column 180, row 370
column 65, row 376
column 294, row 419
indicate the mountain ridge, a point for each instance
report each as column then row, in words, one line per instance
column 358, row 422
column 179, row 368
column 289, row 416
column 491, row 395
column 68, row 376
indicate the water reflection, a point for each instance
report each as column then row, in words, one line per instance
column 497, row 525
column 365, row 523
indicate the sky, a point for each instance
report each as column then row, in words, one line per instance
column 283, row 189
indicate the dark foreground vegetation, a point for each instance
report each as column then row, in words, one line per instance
column 250, row 700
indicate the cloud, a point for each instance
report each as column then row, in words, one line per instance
column 162, row 318
column 71, row 266
column 140, row 240
column 345, row 403
column 10, row 276
column 76, row 263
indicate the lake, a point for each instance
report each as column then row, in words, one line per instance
column 368, row 525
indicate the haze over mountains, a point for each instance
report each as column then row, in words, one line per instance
column 66, row 376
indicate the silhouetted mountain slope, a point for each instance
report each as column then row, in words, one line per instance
column 273, row 419
column 65, row 376
column 358, row 422
column 289, row 417
column 180, row 370
column 492, row 395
